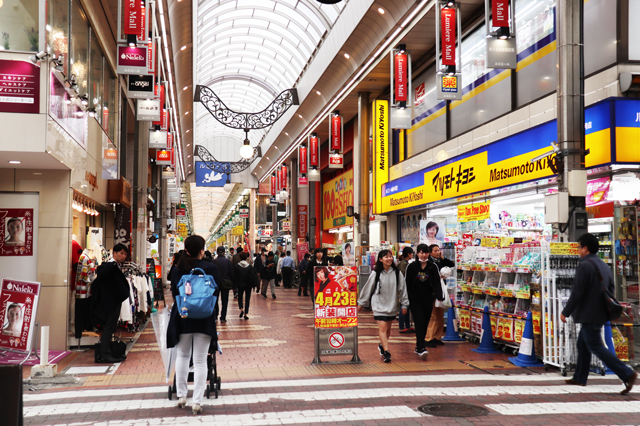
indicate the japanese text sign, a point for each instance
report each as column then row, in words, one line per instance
column 16, row 232
column 18, row 307
column 471, row 212
column 336, row 295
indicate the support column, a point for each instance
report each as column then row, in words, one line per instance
column 140, row 185
column 362, row 161
column 294, row 208
column 570, row 106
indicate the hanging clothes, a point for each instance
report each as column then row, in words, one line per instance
column 85, row 274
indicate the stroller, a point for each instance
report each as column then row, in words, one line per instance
column 213, row 379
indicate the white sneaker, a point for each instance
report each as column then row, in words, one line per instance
column 182, row 402
column 197, row 409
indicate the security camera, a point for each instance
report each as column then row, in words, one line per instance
column 38, row 56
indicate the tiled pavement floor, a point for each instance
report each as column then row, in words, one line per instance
column 267, row 379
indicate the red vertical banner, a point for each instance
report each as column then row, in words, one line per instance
column 401, row 77
column 302, row 221
column 336, row 132
column 273, row 185
column 279, row 185
column 169, row 140
column 159, row 93
column 105, row 119
column 302, row 159
column 500, row 13
column 132, row 17
column 150, row 56
column 448, row 25
column 313, row 151
column 284, row 177
column 142, row 34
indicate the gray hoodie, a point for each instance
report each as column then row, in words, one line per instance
column 385, row 301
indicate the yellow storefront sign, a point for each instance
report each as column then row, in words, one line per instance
column 469, row 175
column 380, row 149
column 337, row 195
column 470, row 212
column 564, row 249
column 237, row 230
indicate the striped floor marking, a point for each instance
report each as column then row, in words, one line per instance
column 349, row 415
column 443, row 378
column 591, row 407
column 328, row 395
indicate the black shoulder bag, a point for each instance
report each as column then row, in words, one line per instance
column 611, row 304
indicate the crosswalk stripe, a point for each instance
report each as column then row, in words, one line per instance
column 322, row 395
column 272, row 418
column 357, row 380
column 591, row 407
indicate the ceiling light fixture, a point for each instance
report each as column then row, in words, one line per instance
column 183, row 47
column 346, row 55
column 185, row 87
column 14, row 162
column 318, row 93
column 381, row 11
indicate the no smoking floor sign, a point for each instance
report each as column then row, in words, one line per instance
column 336, row 340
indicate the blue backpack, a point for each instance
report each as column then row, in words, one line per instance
column 202, row 300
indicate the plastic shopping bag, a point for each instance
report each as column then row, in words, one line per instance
column 446, row 303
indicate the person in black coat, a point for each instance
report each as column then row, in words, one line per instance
column 108, row 291
column 423, row 288
column 268, row 275
column 587, row 306
column 436, row 323
column 246, row 279
column 319, row 259
column 189, row 334
column 225, row 269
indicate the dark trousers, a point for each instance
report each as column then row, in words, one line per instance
column 287, row 274
column 108, row 328
column 224, row 295
column 303, row 284
column 590, row 342
column 421, row 313
column 246, row 292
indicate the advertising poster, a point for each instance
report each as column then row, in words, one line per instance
column 431, row 232
column 476, row 322
column 336, row 295
column 18, row 307
column 337, row 196
column 16, row 232
column 518, row 327
column 504, row 330
column 465, row 319
column 122, row 226
column 348, row 257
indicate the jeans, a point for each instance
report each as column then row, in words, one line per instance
column 590, row 342
column 270, row 283
column 200, row 344
column 246, row 292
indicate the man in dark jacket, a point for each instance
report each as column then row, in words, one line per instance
column 109, row 290
column 246, row 279
column 268, row 276
column 319, row 259
column 302, row 268
column 227, row 277
column 586, row 305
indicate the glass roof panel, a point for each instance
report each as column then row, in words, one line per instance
column 248, row 51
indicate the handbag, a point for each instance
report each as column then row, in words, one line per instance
column 612, row 306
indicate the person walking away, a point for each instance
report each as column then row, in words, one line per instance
column 435, row 331
column 423, row 287
column 246, row 279
column 586, row 305
column 319, row 259
column 382, row 291
column 404, row 321
column 268, row 276
column 278, row 260
column 287, row 270
column 258, row 265
column 235, row 259
column 302, row 268
column 189, row 335
column 108, row 291
column 225, row 269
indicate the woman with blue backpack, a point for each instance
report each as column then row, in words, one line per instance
column 189, row 325
column 382, row 292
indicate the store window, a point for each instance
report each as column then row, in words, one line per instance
column 19, row 25
column 485, row 103
column 58, row 29
column 110, row 105
column 79, row 48
column 429, row 123
column 96, row 80
column 535, row 32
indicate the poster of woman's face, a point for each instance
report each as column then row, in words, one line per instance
column 12, row 324
column 14, row 234
column 431, row 232
column 348, row 256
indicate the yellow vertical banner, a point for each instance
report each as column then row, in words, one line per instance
column 381, row 151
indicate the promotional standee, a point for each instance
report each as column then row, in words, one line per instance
column 18, row 308
column 336, row 312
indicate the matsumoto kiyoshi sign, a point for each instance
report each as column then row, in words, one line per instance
column 337, row 195
column 502, row 163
